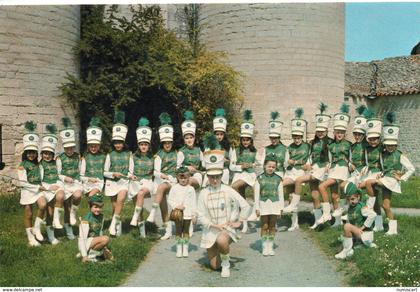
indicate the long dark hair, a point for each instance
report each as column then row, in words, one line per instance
column 251, row 146
column 25, row 156
column 324, row 151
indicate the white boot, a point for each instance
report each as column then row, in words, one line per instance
column 168, row 231
column 152, row 214
column 317, row 215
column 264, row 246
column 185, row 246
column 370, row 202
column 326, row 213
column 73, row 211
column 295, row 224
column 244, row 227
column 179, row 248
column 271, row 246
column 337, row 212
column 135, row 219
column 69, row 231
column 293, row 204
column 392, row 228
column 37, row 229
column 51, row 237
column 56, row 219
column 225, row 265
column 347, row 249
column 142, row 229
column 31, row 238
column 112, row 227
column 338, row 221
column 191, row 230
column 379, row 223
column 118, row 226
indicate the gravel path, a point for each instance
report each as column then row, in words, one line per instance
column 298, row 262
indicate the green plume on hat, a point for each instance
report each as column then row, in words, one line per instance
column 210, row 141
column 188, row 115
column 51, row 128
column 119, row 117
column 360, row 109
column 30, row 126
column 322, row 107
column 299, row 113
column 94, row 122
column 369, row 113
column 96, row 199
column 390, row 117
column 345, row 108
column 182, row 169
column 351, row 189
column 248, row 115
column 165, row 119
column 270, row 157
column 220, row 112
column 143, row 122
column 274, row 115
column 66, row 122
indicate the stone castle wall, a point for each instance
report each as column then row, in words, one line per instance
column 36, row 45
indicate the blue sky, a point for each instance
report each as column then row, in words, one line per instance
column 375, row 31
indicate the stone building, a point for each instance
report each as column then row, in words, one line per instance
column 392, row 84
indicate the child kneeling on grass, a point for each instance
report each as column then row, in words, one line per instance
column 359, row 220
column 91, row 241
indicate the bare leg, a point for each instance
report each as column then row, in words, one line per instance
column 67, row 205
column 99, row 242
column 264, row 225
column 92, row 192
column 335, row 197
column 77, row 198
column 50, row 212
column 314, row 184
column 386, row 204
column 119, row 202
column 323, row 189
column 27, row 216
column 301, row 180
column 42, row 206
column 59, row 199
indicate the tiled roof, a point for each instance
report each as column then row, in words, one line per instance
column 391, row 76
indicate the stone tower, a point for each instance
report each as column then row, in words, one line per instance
column 291, row 55
column 36, row 45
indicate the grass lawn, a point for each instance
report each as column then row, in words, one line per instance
column 396, row 261
column 57, row 266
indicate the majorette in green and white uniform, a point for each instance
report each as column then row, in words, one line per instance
column 92, row 165
column 117, row 161
column 69, row 166
column 317, row 161
column 280, row 150
column 29, row 173
column 247, row 156
column 298, row 153
column 191, row 156
column 142, row 164
column 268, row 190
column 358, row 215
column 373, row 154
column 49, row 172
column 358, row 149
column 340, row 151
column 394, row 162
column 165, row 162
column 220, row 125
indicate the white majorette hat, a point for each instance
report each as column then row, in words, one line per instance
column 374, row 125
column 275, row 125
column 143, row 132
column 360, row 120
column 68, row 135
column 188, row 126
column 219, row 121
column 298, row 124
column 247, row 126
column 50, row 140
column 166, row 131
column 213, row 157
column 390, row 131
column 94, row 132
column 322, row 120
column 341, row 120
column 119, row 130
column 30, row 138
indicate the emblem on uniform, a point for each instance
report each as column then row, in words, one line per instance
column 93, row 132
column 31, row 138
column 213, row 158
column 67, row 134
column 118, row 129
column 390, row 131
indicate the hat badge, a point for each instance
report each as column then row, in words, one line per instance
column 220, row 120
column 358, row 121
column 390, row 131
column 298, row 123
column 50, row 140
column 144, row 131
column 31, row 138
column 166, row 130
column 118, row 129
column 273, row 125
column 188, row 125
column 93, row 132
column 341, row 117
column 246, row 126
column 320, row 120
column 67, row 134
column 213, row 158
column 370, row 125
